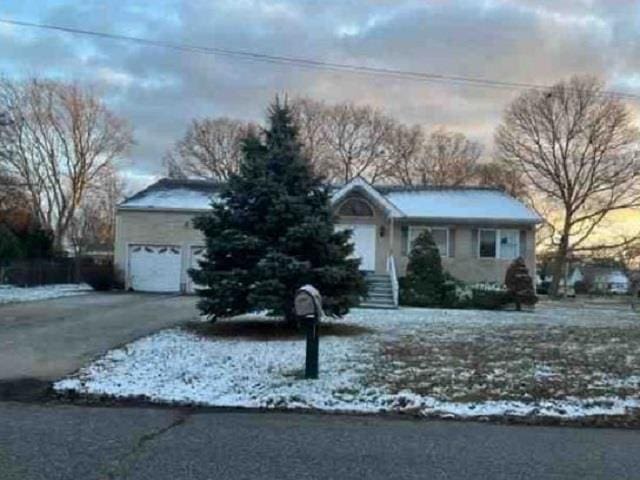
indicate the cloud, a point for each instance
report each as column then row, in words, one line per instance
column 160, row 90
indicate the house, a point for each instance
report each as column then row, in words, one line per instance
column 600, row 279
column 479, row 231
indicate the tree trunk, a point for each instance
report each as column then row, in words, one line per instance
column 559, row 264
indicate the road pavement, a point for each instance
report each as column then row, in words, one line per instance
column 75, row 442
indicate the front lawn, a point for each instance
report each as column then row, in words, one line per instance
column 561, row 362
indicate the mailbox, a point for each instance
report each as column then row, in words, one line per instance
column 308, row 306
column 308, row 302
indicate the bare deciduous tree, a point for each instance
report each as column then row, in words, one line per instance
column 342, row 141
column 95, row 221
column 448, row 158
column 406, row 147
column 577, row 147
column 500, row 175
column 60, row 138
column 211, row 148
column 311, row 119
column 356, row 138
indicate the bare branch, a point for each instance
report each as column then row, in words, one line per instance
column 579, row 150
column 60, row 138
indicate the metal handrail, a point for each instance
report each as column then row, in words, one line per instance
column 395, row 287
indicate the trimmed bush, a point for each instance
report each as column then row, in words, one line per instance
column 519, row 284
column 424, row 284
column 490, row 299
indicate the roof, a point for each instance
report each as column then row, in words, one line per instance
column 174, row 194
column 610, row 273
column 425, row 202
column 361, row 185
column 460, row 203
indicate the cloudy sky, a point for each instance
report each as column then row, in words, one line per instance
column 160, row 90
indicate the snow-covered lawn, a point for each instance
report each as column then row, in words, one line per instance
column 11, row 294
column 556, row 361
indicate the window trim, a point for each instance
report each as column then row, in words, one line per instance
column 430, row 228
column 356, row 198
column 498, row 235
column 497, row 249
column 517, row 243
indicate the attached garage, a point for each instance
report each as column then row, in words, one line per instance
column 156, row 243
column 155, row 268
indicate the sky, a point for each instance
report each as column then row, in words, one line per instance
column 159, row 91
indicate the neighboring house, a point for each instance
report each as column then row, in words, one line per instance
column 479, row 231
column 599, row 278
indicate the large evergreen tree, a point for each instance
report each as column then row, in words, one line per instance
column 424, row 284
column 271, row 231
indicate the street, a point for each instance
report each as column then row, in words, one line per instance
column 74, row 442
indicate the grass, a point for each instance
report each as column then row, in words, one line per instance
column 528, row 362
column 548, row 355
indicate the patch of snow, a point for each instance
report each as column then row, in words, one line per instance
column 461, row 203
column 181, row 367
column 11, row 294
column 177, row 198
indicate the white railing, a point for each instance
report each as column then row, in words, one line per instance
column 391, row 269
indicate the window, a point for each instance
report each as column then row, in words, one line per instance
column 440, row 237
column 504, row 244
column 355, row 207
column 488, row 248
column 509, row 244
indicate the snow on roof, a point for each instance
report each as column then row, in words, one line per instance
column 169, row 194
column 449, row 203
column 460, row 204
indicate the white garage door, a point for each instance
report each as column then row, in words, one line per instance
column 364, row 240
column 154, row 268
column 197, row 254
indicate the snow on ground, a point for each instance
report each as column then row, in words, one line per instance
column 559, row 362
column 11, row 294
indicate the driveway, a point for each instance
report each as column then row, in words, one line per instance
column 39, row 442
column 46, row 340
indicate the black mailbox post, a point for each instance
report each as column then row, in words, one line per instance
column 308, row 306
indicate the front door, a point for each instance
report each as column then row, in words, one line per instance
column 364, row 240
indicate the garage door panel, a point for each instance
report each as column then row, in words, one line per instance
column 155, row 268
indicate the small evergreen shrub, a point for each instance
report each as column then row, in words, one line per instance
column 490, row 299
column 424, row 284
column 519, row 284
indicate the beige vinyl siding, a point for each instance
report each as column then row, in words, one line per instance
column 463, row 261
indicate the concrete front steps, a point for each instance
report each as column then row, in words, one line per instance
column 380, row 292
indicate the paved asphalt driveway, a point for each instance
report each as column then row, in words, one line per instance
column 69, row 442
column 48, row 339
